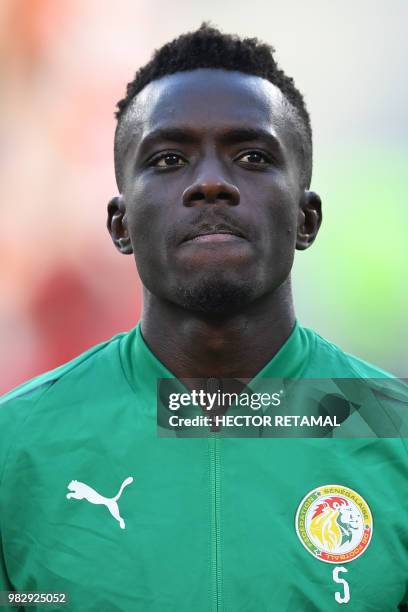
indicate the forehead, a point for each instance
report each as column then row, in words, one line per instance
column 210, row 99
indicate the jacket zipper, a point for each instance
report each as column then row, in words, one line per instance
column 215, row 516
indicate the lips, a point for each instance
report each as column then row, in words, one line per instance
column 219, row 232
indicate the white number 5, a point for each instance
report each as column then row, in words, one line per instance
column 345, row 596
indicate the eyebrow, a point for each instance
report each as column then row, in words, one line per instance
column 230, row 136
column 172, row 134
column 248, row 134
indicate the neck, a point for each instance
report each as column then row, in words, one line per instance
column 193, row 345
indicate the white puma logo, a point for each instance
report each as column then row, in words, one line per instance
column 80, row 490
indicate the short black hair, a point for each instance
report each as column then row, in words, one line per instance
column 207, row 47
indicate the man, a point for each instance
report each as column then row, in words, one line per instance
column 213, row 162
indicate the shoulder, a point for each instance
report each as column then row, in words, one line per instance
column 379, row 399
column 61, row 385
column 96, row 356
column 330, row 360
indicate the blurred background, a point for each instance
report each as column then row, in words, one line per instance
column 64, row 65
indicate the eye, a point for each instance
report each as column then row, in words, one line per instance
column 257, row 158
column 168, row 160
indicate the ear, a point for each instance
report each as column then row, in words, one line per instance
column 309, row 220
column 117, row 225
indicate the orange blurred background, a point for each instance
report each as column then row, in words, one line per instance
column 64, row 64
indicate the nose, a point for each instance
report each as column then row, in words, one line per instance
column 211, row 188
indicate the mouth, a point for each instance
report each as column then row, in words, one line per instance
column 215, row 234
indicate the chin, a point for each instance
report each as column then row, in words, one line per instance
column 216, row 296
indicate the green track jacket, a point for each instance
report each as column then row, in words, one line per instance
column 94, row 504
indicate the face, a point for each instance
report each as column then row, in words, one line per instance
column 212, row 203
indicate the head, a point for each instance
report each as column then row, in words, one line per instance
column 333, row 521
column 72, row 485
column 213, row 158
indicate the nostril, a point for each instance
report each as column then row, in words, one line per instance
column 211, row 192
column 197, row 196
column 207, row 195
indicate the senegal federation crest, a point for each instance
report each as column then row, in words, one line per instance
column 334, row 524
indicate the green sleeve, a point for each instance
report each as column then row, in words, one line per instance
column 4, row 579
column 14, row 408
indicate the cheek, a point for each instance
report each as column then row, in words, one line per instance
column 143, row 216
column 274, row 198
column 139, row 205
column 279, row 229
column 149, row 215
column 151, row 204
column 278, row 236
